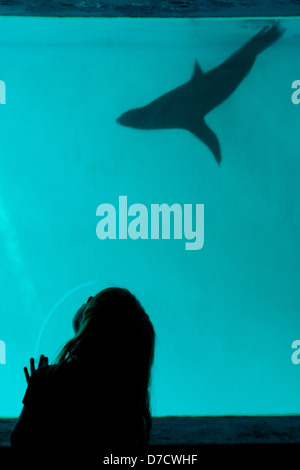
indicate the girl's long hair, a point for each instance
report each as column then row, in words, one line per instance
column 116, row 339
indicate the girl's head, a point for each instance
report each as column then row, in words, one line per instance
column 114, row 326
column 115, row 336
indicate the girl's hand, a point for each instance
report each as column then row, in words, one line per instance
column 42, row 362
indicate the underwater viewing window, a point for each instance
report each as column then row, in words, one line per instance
column 160, row 155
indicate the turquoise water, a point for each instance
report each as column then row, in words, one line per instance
column 225, row 315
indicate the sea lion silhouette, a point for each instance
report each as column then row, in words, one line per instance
column 186, row 106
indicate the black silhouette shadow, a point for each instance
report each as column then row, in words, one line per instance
column 95, row 397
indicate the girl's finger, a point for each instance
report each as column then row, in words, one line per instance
column 27, row 376
column 41, row 361
column 32, row 367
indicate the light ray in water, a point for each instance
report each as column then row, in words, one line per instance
column 28, row 292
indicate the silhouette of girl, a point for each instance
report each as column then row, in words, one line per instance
column 96, row 395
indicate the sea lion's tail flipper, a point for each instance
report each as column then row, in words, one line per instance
column 269, row 35
column 209, row 138
column 266, row 36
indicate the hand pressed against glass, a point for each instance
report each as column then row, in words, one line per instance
column 42, row 362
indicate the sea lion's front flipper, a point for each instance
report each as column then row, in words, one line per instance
column 198, row 72
column 209, row 138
